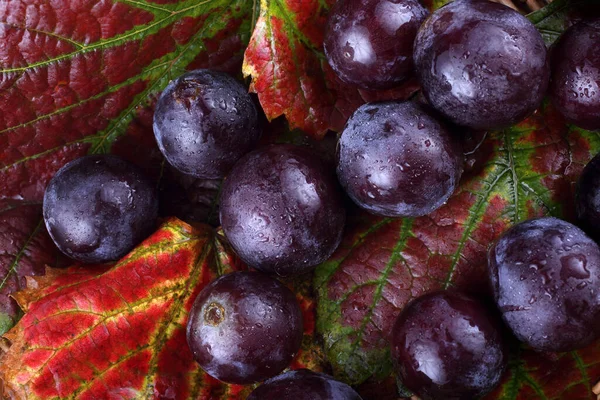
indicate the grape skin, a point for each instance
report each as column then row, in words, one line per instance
column 244, row 327
column 575, row 87
column 303, row 385
column 369, row 43
column 481, row 64
column 396, row 159
column 281, row 210
column 204, row 122
column 545, row 275
column 98, row 208
column 445, row 345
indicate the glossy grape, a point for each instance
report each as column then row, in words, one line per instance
column 397, row 159
column 303, row 385
column 445, row 345
column 98, row 208
column 189, row 198
column 575, row 87
column 281, row 210
column 481, row 64
column 369, row 43
column 545, row 275
column 587, row 198
column 244, row 327
column 204, row 122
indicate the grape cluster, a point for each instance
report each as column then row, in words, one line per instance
column 481, row 65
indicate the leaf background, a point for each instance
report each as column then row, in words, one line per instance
column 81, row 77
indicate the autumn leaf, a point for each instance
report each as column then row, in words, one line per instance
column 383, row 263
column 106, row 331
column 291, row 75
column 81, row 77
column 74, row 75
column 25, row 249
column 97, row 332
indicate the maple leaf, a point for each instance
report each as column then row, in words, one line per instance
column 291, row 75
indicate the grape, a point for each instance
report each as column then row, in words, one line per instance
column 98, row 208
column 244, row 327
column 369, row 43
column 575, row 87
column 281, row 210
column 204, row 122
column 545, row 275
column 189, row 198
column 481, row 64
column 587, row 198
column 445, row 345
column 303, row 385
column 396, row 159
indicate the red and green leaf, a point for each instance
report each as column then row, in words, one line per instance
column 96, row 332
column 291, row 75
column 383, row 263
column 25, row 249
column 105, row 331
column 80, row 77
column 75, row 75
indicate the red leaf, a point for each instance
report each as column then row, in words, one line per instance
column 384, row 263
column 105, row 331
column 25, row 249
column 291, row 75
column 75, row 76
column 120, row 331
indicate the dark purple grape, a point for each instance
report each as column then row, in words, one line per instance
column 303, row 385
column 281, row 210
column 369, row 43
column 545, row 275
column 204, row 122
column 244, row 327
column 587, row 198
column 481, row 64
column 189, row 198
column 445, row 345
column 575, row 87
column 98, row 208
column 396, row 159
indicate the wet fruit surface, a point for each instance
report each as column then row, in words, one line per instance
column 445, row 345
column 396, row 159
column 575, row 87
column 98, row 208
column 281, row 210
column 369, row 43
column 481, row 64
column 303, row 385
column 545, row 275
column 204, row 122
column 244, row 327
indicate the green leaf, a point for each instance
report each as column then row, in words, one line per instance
column 383, row 263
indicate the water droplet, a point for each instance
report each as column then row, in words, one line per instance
column 574, row 266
